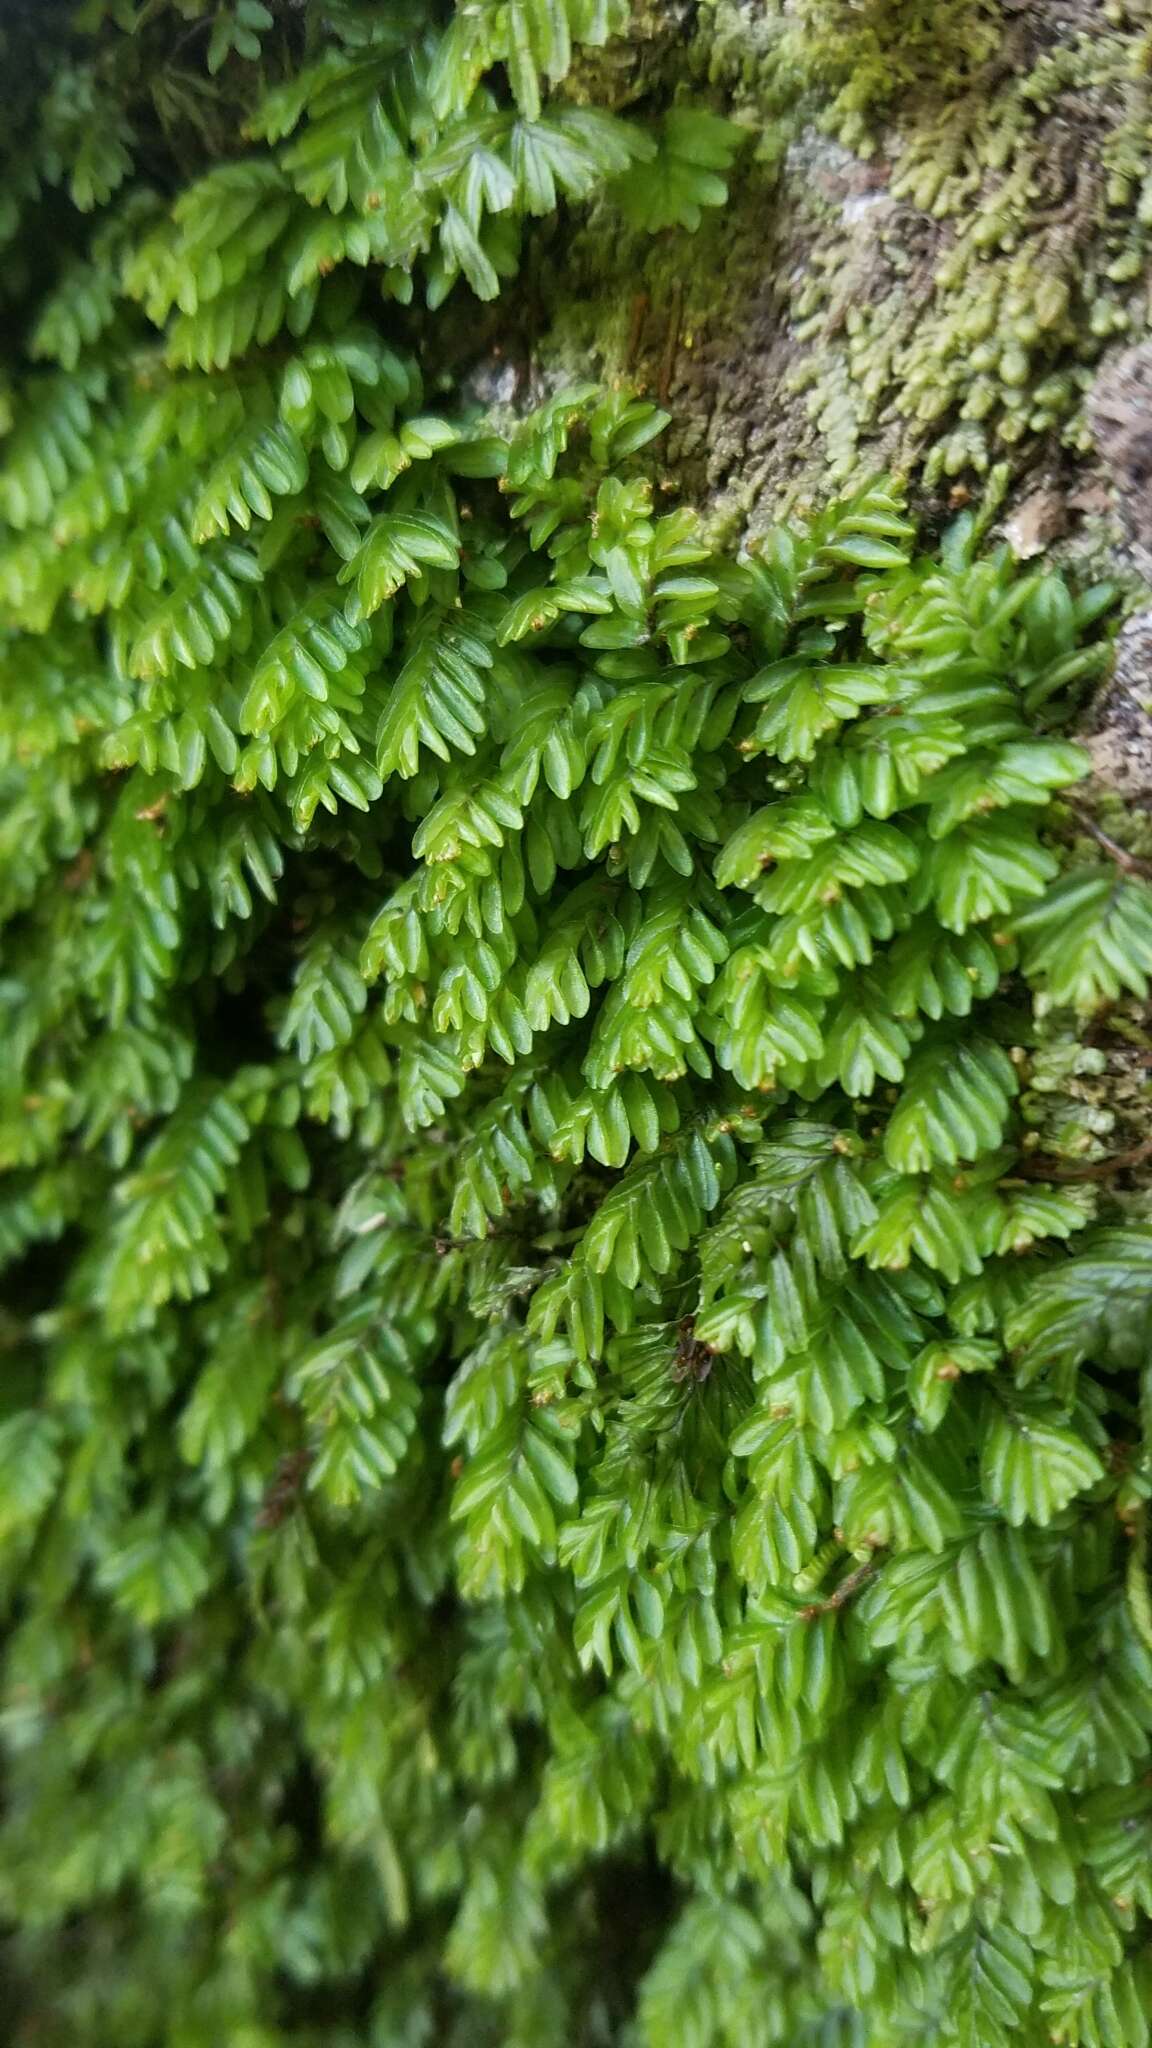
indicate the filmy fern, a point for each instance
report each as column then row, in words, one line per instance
column 567, row 1474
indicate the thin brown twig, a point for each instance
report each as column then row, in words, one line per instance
column 636, row 330
column 1038, row 1167
column 1131, row 863
column 672, row 344
column 841, row 1594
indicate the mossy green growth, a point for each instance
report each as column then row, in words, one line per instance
column 932, row 288
column 975, row 341
column 872, row 56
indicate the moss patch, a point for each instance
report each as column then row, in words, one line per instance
column 870, row 55
column 934, row 298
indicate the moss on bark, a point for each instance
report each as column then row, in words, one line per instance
column 941, row 226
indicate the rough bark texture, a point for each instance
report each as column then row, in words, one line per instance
column 935, row 259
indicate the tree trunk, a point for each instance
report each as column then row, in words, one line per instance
column 934, row 260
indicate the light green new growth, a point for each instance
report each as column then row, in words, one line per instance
column 573, row 1463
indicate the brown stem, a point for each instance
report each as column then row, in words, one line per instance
column 636, row 330
column 841, row 1594
column 672, row 344
column 1038, row 1168
column 1131, row 863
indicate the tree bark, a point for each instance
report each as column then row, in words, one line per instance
column 935, row 260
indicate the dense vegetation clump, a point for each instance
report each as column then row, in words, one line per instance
column 570, row 1471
